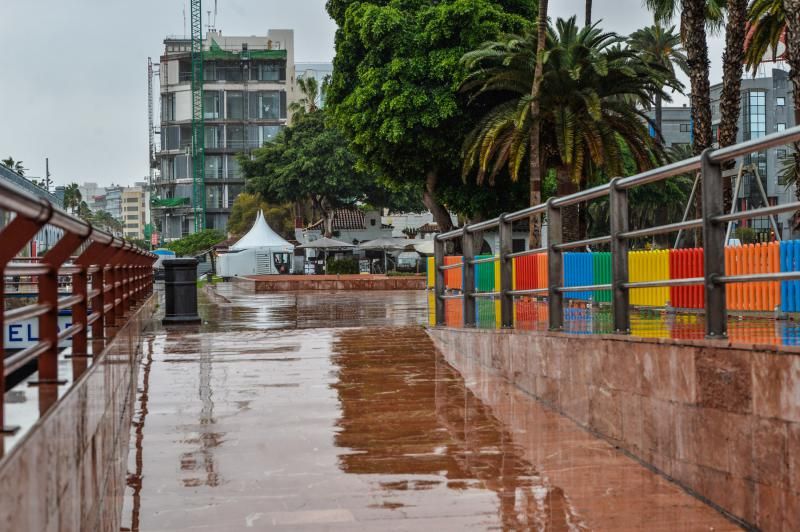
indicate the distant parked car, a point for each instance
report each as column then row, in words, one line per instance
column 158, row 266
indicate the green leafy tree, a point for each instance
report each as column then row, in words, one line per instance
column 395, row 85
column 308, row 161
column 587, row 112
column 16, row 166
column 245, row 209
column 196, row 242
column 84, row 211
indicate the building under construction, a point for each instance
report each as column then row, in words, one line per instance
column 242, row 102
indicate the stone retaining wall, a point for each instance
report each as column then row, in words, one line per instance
column 68, row 472
column 288, row 283
column 723, row 422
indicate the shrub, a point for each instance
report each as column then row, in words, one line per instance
column 746, row 235
column 342, row 266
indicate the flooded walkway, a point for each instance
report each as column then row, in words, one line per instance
column 315, row 411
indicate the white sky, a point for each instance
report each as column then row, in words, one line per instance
column 74, row 74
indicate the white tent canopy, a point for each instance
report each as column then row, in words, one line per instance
column 261, row 235
column 261, row 251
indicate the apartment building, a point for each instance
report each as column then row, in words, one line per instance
column 134, row 211
column 766, row 107
column 249, row 84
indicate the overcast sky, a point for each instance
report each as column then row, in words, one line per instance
column 74, row 74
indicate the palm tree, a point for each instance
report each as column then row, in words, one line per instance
column 104, row 220
column 312, row 93
column 535, row 156
column 730, row 98
column 16, row 166
column 72, row 197
column 660, row 46
column 769, row 21
column 84, row 211
column 586, row 114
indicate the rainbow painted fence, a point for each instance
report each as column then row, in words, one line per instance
column 593, row 268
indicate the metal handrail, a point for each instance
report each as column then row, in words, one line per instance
column 713, row 219
column 104, row 272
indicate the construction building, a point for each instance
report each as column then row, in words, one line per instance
column 248, row 84
column 766, row 107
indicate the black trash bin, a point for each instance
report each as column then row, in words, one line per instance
column 180, row 291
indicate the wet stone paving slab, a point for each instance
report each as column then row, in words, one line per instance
column 333, row 411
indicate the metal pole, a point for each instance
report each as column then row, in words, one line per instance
column 689, row 205
column 766, row 202
column 714, row 248
column 555, row 273
column 620, row 296
column 506, row 273
column 438, row 280
column 468, row 277
column 737, row 184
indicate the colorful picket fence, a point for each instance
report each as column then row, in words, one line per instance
column 685, row 264
column 789, row 259
column 753, row 258
column 592, row 268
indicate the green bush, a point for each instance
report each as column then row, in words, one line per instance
column 746, row 235
column 342, row 266
column 196, row 242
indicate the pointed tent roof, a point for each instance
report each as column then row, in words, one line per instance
column 261, row 235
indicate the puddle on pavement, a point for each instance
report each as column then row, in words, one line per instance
column 362, row 425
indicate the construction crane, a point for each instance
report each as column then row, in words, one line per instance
column 198, row 117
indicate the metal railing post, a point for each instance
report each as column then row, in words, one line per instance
column 48, row 295
column 555, row 274
column 506, row 273
column 468, row 277
column 15, row 236
column 438, row 284
column 620, row 296
column 713, row 247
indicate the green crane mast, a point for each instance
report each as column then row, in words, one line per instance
column 198, row 129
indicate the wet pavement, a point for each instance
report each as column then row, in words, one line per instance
column 333, row 411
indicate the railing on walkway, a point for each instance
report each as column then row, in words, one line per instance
column 108, row 275
column 713, row 224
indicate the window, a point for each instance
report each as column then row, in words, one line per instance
column 686, row 128
column 167, row 107
column 258, row 135
column 781, row 126
column 213, row 136
column 265, row 105
column 211, row 105
column 234, row 105
column 132, row 209
column 171, row 138
column 780, row 153
column 214, row 197
column 780, row 101
column 131, row 200
column 183, row 168
column 132, row 226
column 235, row 137
column 232, row 168
column 213, row 167
column 269, row 71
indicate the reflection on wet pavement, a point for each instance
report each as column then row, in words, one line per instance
column 580, row 318
column 280, row 412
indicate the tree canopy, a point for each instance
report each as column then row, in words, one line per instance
column 196, row 242
column 245, row 209
column 395, row 86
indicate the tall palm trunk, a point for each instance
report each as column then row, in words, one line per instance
column 730, row 99
column 693, row 24
column 535, row 159
column 570, row 215
column 659, row 119
column 588, row 12
column 792, row 10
